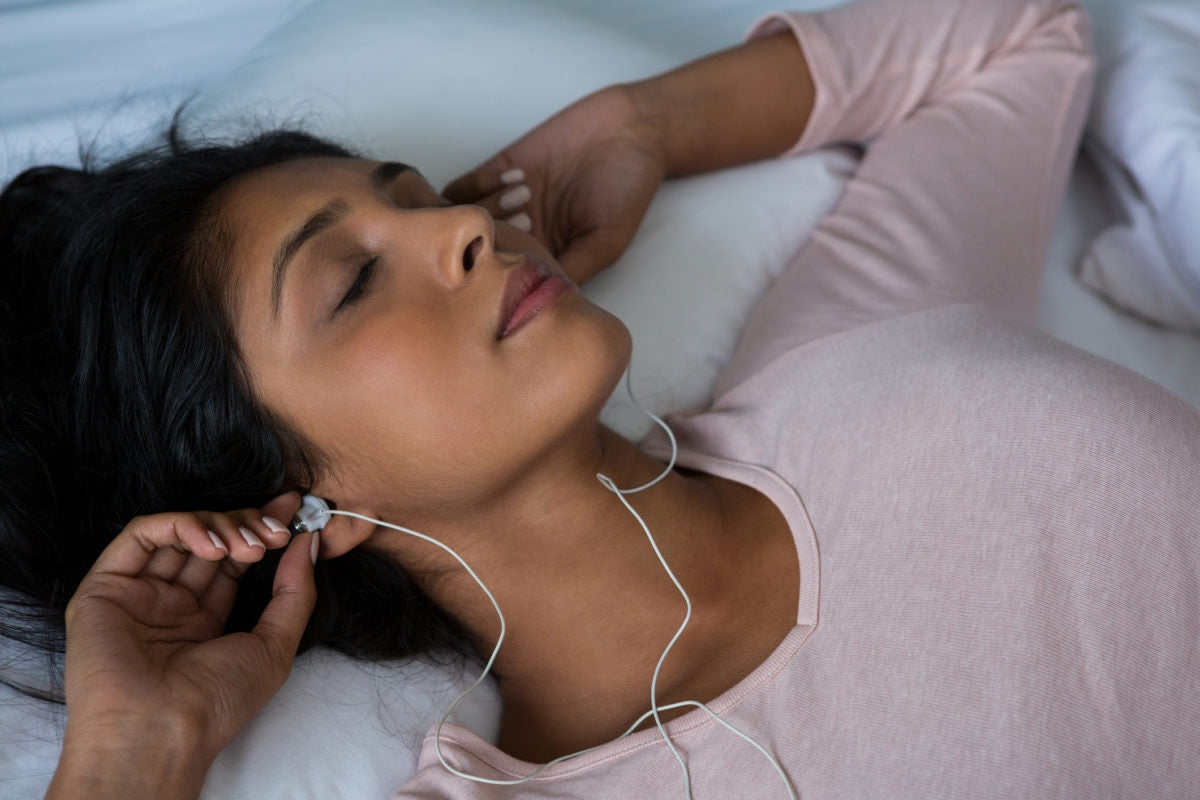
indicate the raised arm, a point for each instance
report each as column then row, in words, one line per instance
column 974, row 109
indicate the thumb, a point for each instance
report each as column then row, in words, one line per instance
column 293, row 597
column 588, row 254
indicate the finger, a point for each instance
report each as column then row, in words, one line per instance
column 293, row 597
column 513, row 205
column 222, row 591
column 244, row 534
column 243, row 545
column 488, row 178
column 511, row 201
column 275, row 515
column 522, row 221
column 130, row 552
column 256, row 530
column 196, row 575
column 165, row 563
column 219, row 596
column 241, row 531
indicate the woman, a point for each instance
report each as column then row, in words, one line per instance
column 891, row 441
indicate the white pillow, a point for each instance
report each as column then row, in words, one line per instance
column 1145, row 133
column 341, row 728
column 338, row 728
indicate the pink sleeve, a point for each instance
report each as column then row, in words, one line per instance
column 974, row 109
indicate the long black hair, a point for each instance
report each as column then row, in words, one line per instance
column 122, row 393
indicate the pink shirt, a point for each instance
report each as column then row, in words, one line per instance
column 998, row 535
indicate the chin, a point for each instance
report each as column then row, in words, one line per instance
column 569, row 366
column 557, row 374
column 601, row 356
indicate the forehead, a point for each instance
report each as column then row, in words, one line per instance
column 258, row 209
column 292, row 185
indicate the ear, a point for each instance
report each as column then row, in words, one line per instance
column 343, row 534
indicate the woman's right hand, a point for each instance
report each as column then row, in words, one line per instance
column 591, row 171
column 153, row 688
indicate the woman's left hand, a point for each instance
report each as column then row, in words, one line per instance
column 149, row 675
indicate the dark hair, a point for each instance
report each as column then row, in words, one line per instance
column 123, row 393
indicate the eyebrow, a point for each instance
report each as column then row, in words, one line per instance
column 383, row 174
column 322, row 219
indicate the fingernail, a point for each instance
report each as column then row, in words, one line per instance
column 515, row 197
column 521, row 221
column 250, row 538
column 275, row 525
column 316, row 545
column 216, row 540
column 514, row 175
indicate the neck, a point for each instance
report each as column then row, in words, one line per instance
column 561, row 534
column 588, row 606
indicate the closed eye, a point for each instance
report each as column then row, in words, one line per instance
column 362, row 283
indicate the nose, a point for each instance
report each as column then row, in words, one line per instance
column 471, row 237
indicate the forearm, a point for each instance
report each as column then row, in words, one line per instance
column 129, row 763
column 874, row 62
column 747, row 103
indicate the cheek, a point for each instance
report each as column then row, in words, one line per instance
column 405, row 388
column 422, row 412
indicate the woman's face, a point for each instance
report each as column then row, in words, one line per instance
column 374, row 317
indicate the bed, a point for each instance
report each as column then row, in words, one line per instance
column 444, row 83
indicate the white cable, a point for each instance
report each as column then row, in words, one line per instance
column 687, row 617
column 670, row 435
column 687, row 600
column 655, row 709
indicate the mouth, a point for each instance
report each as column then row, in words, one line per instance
column 533, row 286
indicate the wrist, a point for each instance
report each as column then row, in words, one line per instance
column 642, row 117
column 749, row 102
column 130, row 759
column 658, row 106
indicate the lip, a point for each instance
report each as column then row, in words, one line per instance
column 533, row 286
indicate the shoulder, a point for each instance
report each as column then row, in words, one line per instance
column 955, row 382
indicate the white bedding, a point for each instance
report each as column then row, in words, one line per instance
column 113, row 68
column 1145, row 135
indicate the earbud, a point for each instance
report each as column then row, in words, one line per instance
column 313, row 516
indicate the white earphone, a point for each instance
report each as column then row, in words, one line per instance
column 315, row 513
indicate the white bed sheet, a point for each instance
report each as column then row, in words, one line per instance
column 1072, row 312
column 113, row 68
